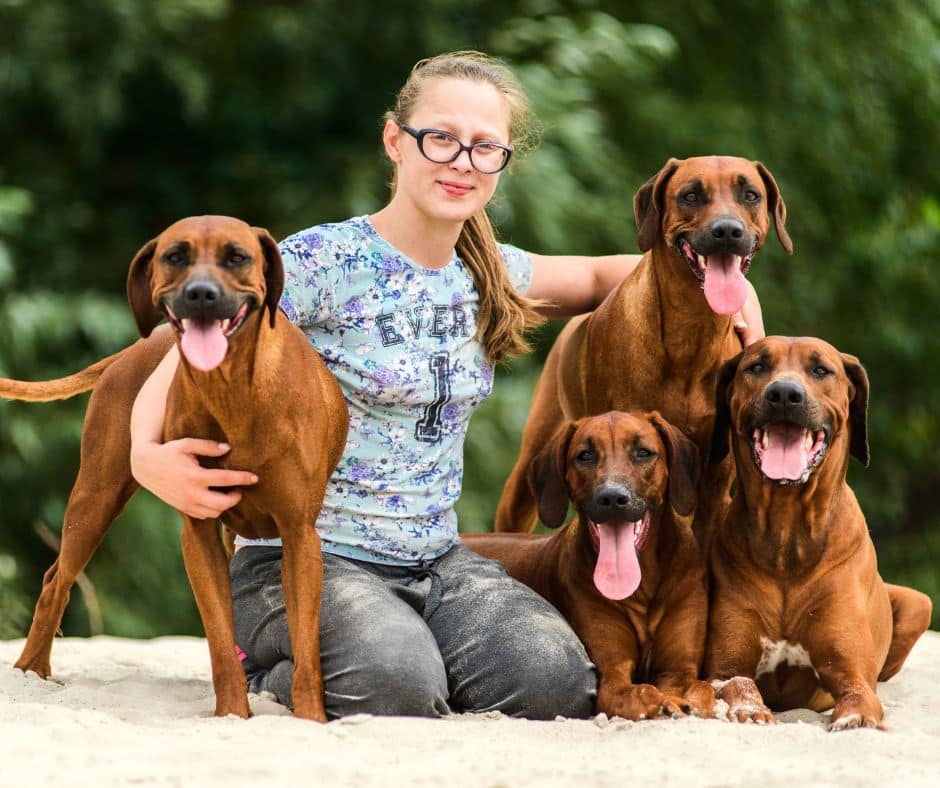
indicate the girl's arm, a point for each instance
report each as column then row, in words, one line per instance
column 576, row 284
column 171, row 470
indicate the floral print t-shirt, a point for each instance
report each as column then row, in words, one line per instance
column 400, row 340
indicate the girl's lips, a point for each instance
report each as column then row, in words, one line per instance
column 456, row 189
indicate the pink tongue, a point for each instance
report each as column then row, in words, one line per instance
column 617, row 574
column 785, row 455
column 725, row 285
column 203, row 344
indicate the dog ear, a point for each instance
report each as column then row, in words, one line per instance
column 648, row 206
column 273, row 272
column 858, row 409
column 721, row 429
column 546, row 477
column 682, row 456
column 778, row 208
column 140, row 290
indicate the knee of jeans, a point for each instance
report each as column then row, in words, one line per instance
column 551, row 674
column 567, row 690
column 403, row 684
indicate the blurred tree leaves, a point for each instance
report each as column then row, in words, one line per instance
column 118, row 117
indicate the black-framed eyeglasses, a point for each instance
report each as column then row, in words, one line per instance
column 442, row 147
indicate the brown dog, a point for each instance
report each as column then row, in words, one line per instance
column 656, row 343
column 797, row 602
column 625, row 573
column 246, row 377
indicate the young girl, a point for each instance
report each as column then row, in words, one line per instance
column 411, row 308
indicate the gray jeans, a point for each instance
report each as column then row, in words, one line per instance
column 454, row 634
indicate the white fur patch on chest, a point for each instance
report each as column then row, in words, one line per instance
column 782, row 651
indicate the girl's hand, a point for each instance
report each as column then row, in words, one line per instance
column 172, row 472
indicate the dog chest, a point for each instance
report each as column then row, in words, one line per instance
column 781, row 652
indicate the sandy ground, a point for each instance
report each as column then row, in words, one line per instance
column 131, row 712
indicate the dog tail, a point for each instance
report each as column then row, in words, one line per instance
column 60, row 388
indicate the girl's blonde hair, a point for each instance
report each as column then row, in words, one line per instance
column 504, row 314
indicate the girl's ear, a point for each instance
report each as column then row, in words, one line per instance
column 391, row 139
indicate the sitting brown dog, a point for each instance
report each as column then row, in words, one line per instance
column 626, row 572
column 797, row 604
column 246, row 377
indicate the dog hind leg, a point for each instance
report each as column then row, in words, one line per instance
column 910, row 617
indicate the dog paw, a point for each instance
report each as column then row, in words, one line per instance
column 857, row 710
column 641, row 702
column 853, row 721
column 744, row 701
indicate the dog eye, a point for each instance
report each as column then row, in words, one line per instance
column 820, row 371
column 643, row 454
column 689, row 197
column 756, row 368
column 586, row 455
column 175, row 258
column 751, row 196
column 236, row 259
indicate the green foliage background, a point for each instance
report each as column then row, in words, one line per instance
column 120, row 116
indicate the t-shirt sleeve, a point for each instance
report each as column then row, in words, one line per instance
column 519, row 266
column 311, row 277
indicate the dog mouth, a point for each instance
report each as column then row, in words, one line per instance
column 787, row 453
column 722, row 275
column 617, row 571
column 204, row 341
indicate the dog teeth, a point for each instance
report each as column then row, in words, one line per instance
column 701, row 261
column 810, row 440
column 765, row 440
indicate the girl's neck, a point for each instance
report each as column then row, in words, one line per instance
column 428, row 242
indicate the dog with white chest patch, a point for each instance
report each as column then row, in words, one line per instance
column 799, row 616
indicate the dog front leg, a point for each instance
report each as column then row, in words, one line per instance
column 732, row 653
column 613, row 647
column 302, row 579
column 679, row 645
column 207, row 568
column 849, row 672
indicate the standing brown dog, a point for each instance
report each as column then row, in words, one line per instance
column 625, row 574
column 656, row 343
column 797, row 602
column 246, row 377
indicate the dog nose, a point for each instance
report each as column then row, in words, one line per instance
column 616, row 502
column 202, row 292
column 781, row 393
column 727, row 229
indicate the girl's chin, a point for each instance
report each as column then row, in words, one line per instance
column 454, row 211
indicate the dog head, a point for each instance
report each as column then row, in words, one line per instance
column 617, row 469
column 791, row 406
column 713, row 212
column 207, row 275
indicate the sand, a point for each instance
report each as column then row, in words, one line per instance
column 136, row 712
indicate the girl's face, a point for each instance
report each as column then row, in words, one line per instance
column 472, row 112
